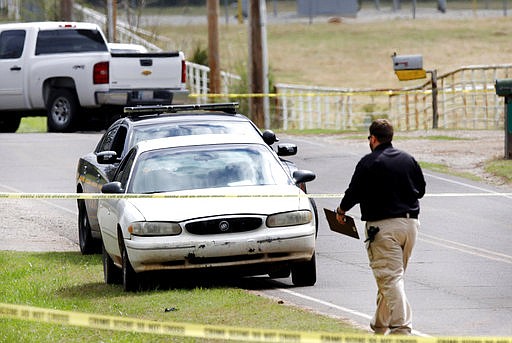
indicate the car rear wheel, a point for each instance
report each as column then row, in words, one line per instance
column 111, row 273
column 130, row 278
column 304, row 273
column 10, row 124
column 88, row 245
column 62, row 110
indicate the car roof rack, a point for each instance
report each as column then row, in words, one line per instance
column 227, row 107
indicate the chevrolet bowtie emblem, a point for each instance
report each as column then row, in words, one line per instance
column 146, row 72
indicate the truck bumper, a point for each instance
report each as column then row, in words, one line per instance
column 142, row 97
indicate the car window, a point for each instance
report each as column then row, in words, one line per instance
column 11, row 44
column 123, row 173
column 107, row 140
column 146, row 132
column 69, row 40
column 113, row 140
column 180, row 169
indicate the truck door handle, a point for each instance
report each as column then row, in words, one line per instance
column 15, row 68
column 146, row 62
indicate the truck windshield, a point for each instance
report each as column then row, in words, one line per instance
column 69, row 40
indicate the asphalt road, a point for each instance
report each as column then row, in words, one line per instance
column 458, row 281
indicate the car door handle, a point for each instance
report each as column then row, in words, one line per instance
column 15, row 68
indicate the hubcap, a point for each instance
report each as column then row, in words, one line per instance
column 61, row 109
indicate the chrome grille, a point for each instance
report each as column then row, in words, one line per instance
column 223, row 225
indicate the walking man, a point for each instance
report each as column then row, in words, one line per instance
column 387, row 184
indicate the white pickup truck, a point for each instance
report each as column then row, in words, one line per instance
column 66, row 72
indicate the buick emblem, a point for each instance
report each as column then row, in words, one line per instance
column 223, row 226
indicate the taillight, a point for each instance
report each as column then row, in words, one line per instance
column 100, row 73
column 183, row 71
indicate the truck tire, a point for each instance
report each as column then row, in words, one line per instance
column 9, row 124
column 62, row 110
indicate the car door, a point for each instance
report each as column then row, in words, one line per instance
column 12, row 69
column 111, row 210
column 98, row 174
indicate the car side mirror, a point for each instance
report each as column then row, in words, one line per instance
column 286, row 149
column 107, row 157
column 112, row 188
column 269, row 137
column 302, row 176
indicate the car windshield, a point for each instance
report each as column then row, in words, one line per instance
column 142, row 133
column 177, row 169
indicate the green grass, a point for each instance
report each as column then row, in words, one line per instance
column 32, row 124
column 501, row 168
column 444, row 169
column 73, row 282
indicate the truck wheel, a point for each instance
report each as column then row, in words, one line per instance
column 62, row 110
column 88, row 245
column 304, row 273
column 10, row 124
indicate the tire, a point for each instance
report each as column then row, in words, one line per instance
column 62, row 111
column 304, row 273
column 111, row 273
column 129, row 277
column 10, row 124
column 315, row 213
column 280, row 273
column 88, row 245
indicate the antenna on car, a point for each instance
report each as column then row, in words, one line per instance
column 227, row 107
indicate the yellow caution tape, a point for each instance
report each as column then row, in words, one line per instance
column 95, row 321
column 371, row 93
column 90, row 196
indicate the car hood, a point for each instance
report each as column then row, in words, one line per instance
column 192, row 204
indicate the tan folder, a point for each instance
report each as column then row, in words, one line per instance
column 348, row 228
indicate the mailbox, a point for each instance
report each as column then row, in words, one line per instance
column 408, row 67
column 407, row 62
column 504, row 88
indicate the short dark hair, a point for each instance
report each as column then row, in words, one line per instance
column 382, row 130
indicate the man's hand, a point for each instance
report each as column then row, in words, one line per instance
column 340, row 215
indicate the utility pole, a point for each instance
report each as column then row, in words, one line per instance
column 111, row 20
column 213, row 45
column 66, row 10
column 256, row 83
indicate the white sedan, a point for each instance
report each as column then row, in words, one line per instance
column 217, row 201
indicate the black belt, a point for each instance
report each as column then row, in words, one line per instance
column 413, row 215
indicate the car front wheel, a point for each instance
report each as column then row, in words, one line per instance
column 130, row 279
column 304, row 273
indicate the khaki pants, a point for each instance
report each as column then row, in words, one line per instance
column 388, row 255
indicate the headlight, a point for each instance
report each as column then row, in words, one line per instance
column 154, row 229
column 290, row 218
